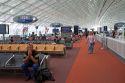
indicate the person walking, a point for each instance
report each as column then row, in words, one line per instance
column 91, row 42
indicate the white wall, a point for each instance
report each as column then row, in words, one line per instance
column 16, row 29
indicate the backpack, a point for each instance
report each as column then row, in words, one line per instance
column 43, row 75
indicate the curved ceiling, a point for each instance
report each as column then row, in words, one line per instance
column 85, row 13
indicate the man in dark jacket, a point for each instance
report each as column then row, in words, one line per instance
column 30, row 60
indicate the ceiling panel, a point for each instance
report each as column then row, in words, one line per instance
column 3, row 1
column 31, row 1
column 4, row 8
column 85, row 13
column 13, row 3
column 22, row 13
column 116, row 13
column 13, row 11
column 4, row 17
column 23, row 6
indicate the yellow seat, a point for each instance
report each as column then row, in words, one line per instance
column 49, row 47
column 39, row 47
column 15, row 47
column 59, row 47
column 22, row 47
column 6, row 48
column 1, row 46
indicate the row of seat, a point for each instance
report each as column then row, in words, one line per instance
column 38, row 47
column 12, row 61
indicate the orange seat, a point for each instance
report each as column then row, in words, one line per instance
column 59, row 47
column 22, row 47
column 1, row 46
column 49, row 47
column 15, row 47
column 39, row 47
column 6, row 48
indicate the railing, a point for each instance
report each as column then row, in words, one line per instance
column 116, row 45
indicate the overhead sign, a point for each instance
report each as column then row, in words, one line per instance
column 25, row 19
column 4, row 29
column 56, row 25
column 120, row 24
column 55, row 30
column 66, row 29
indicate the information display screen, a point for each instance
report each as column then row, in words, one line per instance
column 55, row 30
column 66, row 29
column 4, row 29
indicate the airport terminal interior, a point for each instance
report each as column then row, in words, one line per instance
column 62, row 41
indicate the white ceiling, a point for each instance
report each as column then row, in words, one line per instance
column 85, row 13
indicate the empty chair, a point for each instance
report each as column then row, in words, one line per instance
column 22, row 47
column 39, row 47
column 3, row 58
column 15, row 47
column 16, row 61
column 59, row 47
column 49, row 48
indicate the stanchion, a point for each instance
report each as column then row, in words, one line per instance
column 102, row 39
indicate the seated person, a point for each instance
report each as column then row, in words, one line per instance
column 12, row 40
column 30, row 60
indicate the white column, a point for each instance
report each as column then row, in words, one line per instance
column 123, row 32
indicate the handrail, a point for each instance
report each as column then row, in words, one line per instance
column 9, row 60
column 42, row 60
column 45, row 57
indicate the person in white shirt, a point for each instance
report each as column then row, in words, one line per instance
column 91, row 42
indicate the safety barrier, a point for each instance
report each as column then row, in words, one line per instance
column 114, row 44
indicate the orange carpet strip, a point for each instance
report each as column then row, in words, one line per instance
column 100, row 67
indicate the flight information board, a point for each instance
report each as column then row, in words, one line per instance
column 55, row 30
column 66, row 29
column 4, row 29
